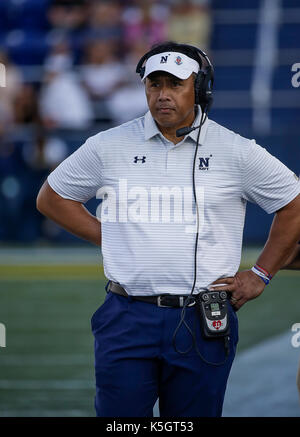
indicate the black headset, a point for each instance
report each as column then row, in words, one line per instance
column 204, row 79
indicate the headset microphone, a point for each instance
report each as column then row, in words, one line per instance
column 186, row 130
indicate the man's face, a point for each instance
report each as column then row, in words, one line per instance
column 170, row 99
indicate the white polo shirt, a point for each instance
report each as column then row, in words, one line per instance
column 148, row 212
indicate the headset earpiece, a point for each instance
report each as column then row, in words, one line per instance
column 203, row 89
column 198, row 87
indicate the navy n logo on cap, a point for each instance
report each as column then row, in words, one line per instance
column 164, row 59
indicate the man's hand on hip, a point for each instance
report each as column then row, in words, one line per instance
column 244, row 286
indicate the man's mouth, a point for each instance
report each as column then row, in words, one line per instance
column 165, row 109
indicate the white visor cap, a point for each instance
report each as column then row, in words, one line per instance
column 174, row 63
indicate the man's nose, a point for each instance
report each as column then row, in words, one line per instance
column 164, row 94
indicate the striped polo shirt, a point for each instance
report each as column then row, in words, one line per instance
column 148, row 213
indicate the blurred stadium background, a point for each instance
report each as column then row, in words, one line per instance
column 70, row 72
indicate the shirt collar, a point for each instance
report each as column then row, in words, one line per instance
column 194, row 133
column 151, row 128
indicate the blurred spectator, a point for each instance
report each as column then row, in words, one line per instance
column 127, row 103
column 102, row 73
column 132, row 91
column 146, row 20
column 44, row 152
column 13, row 85
column 132, row 56
column 26, row 108
column 105, row 19
column 19, row 183
column 68, row 14
column 10, row 189
column 190, row 22
column 63, row 101
column 102, row 70
column 55, row 151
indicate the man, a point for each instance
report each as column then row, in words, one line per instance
column 148, row 345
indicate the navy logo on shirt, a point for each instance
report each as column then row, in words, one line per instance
column 204, row 163
column 137, row 159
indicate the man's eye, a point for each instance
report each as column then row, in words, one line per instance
column 177, row 84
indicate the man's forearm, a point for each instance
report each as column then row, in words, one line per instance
column 80, row 222
column 284, row 235
column 293, row 261
column 70, row 215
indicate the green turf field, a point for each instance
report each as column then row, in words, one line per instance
column 46, row 368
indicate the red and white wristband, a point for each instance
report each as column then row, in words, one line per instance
column 262, row 273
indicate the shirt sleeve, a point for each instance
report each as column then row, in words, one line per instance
column 266, row 180
column 78, row 177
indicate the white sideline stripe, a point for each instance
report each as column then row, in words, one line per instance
column 41, row 256
column 22, row 384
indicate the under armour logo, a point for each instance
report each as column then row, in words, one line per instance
column 164, row 59
column 136, row 159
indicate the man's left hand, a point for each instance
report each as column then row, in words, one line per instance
column 244, row 286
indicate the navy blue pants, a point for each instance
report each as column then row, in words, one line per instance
column 136, row 363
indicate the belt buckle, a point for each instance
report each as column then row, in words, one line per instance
column 159, row 304
column 181, row 302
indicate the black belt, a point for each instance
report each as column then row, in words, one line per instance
column 162, row 300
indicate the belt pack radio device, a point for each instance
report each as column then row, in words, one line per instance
column 213, row 309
